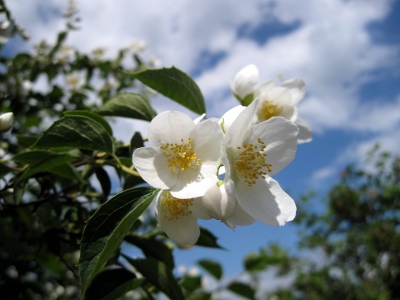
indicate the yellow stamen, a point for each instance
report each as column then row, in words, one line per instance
column 251, row 161
column 181, row 156
column 268, row 110
column 174, row 208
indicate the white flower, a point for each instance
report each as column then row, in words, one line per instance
column 6, row 121
column 230, row 116
column 251, row 154
column 275, row 100
column 75, row 80
column 217, row 203
column 184, row 156
column 239, row 218
column 178, row 218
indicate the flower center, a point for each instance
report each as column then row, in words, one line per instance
column 180, row 156
column 268, row 110
column 250, row 162
column 174, row 208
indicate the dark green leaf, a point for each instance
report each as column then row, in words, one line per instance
column 254, row 262
column 136, row 142
column 78, row 132
column 131, row 181
column 191, row 283
column 242, row 289
column 31, row 157
column 158, row 274
column 60, row 39
column 104, row 180
column 66, row 171
column 175, row 85
column 207, row 239
column 105, row 230
column 26, row 140
column 211, row 267
column 153, row 248
column 107, row 282
column 128, row 105
column 47, row 163
column 93, row 116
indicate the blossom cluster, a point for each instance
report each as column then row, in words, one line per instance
column 223, row 169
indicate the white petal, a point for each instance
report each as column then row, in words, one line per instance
column 199, row 209
column 194, row 183
column 207, row 141
column 6, row 121
column 266, row 202
column 265, row 87
column 153, row 168
column 170, row 127
column 280, row 137
column 305, row 133
column 198, row 119
column 239, row 218
column 218, row 204
column 297, row 87
column 230, row 116
column 240, row 128
column 184, row 231
column 245, row 81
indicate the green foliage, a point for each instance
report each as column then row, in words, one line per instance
column 175, row 85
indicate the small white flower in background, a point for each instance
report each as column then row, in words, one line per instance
column 178, row 218
column 6, row 29
column 275, row 100
column 75, row 80
column 251, row 154
column 184, row 156
column 6, row 121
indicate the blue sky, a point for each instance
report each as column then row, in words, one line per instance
column 347, row 52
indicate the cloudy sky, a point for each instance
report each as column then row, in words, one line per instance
column 347, row 52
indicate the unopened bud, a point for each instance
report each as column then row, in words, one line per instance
column 6, row 121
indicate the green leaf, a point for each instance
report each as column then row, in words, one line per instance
column 26, row 140
column 105, row 230
column 176, row 85
column 31, row 157
column 254, row 262
column 158, row 274
column 191, row 283
column 92, row 116
column 78, row 132
column 110, row 282
column 47, row 163
column 153, row 248
column 104, row 180
column 211, row 267
column 66, row 171
column 242, row 289
column 136, row 142
column 128, row 105
column 207, row 239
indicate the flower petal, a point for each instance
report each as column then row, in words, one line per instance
column 297, row 88
column 199, row 209
column 239, row 218
column 153, row 167
column 266, row 202
column 194, row 183
column 305, row 132
column 245, row 81
column 280, row 137
column 170, row 127
column 184, row 230
column 240, row 128
column 207, row 141
column 218, row 204
column 265, row 87
column 230, row 116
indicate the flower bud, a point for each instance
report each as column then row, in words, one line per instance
column 6, row 121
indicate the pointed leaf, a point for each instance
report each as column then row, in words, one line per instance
column 207, row 239
column 153, row 248
column 93, row 116
column 242, row 289
column 104, row 180
column 105, row 230
column 108, row 282
column 66, row 171
column 191, row 283
column 176, row 85
column 159, row 275
column 78, row 132
column 136, row 142
column 128, row 105
column 211, row 267
column 26, row 140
